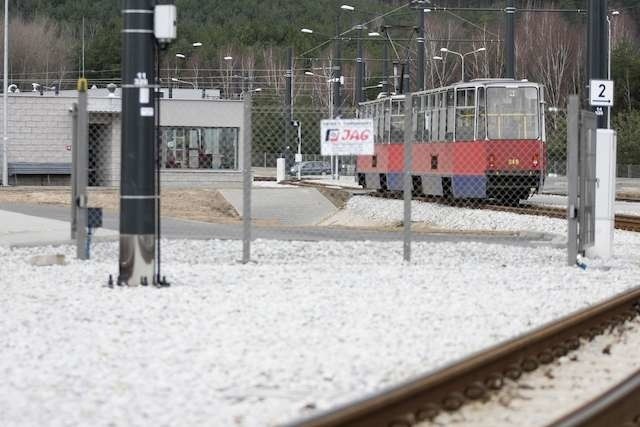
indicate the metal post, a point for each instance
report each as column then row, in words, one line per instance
column 359, row 68
column 572, row 179
column 5, row 90
column 74, row 169
column 81, row 167
column 510, row 43
column 337, row 72
column 421, row 40
column 596, row 46
column 385, row 69
column 246, row 181
column 608, row 66
column 137, row 178
column 407, row 180
column 288, row 101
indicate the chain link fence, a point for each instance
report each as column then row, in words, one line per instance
column 470, row 168
column 440, row 163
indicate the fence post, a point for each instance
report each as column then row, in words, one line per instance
column 572, row 180
column 74, row 165
column 407, row 180
column 82, row 163
column 246, row 182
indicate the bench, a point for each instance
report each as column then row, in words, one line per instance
column 37, row 168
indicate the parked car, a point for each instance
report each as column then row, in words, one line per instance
column 312, row 168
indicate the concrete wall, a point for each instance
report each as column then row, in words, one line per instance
column 40, row 130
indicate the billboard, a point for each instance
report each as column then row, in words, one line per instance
column 346, row 137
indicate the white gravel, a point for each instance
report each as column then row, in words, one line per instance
column 309, row 326
column 391, row 212
column 552, row 391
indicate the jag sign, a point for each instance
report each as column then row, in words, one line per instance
column 348, row 137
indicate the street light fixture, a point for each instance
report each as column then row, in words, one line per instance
column 461, row 55
column 180, row 55
column 347, row 7
column 196, row 44
column 307, row 30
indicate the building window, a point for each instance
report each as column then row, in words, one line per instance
column 200, row 148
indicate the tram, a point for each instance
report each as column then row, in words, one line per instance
column 481, row 139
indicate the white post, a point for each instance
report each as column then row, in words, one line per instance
column 605, row 194
column 5, row 134
column 299, row 159
column 609, row 66
column 280, row 169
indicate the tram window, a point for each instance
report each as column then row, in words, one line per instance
column 512, row 113
column 465, row 114
column 482, row 115
column 434, row 125
column 418, row 125
column 442, row 113
column 427, row 126
column 451, row 115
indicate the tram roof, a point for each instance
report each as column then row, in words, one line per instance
column 470, row 83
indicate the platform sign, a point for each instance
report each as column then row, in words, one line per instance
column 601, row 93
column 346, row 137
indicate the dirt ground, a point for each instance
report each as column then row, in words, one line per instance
column 193, row 204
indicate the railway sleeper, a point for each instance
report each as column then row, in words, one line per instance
column 427, row 412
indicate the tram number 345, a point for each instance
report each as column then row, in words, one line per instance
column 347, row 135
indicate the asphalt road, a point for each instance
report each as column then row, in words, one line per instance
column 183, row 229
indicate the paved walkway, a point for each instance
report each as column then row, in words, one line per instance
column 17, row 229
column 290, row 205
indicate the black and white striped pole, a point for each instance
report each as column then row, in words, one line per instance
column 137, row 177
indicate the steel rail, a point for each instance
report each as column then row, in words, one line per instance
column 473, row 377
column 618, row 406
column 622, row 221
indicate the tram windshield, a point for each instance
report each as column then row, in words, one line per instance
column 512, row 113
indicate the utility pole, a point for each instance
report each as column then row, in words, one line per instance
column 420, row 39
column 405, row 77
column 597, row 48
column 359, row 68
column 509, row 40
column 137, row 178
column 385, row 69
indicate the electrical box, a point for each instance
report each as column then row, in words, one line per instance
column 164, row 23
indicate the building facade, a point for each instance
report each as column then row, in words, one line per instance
column 200, row 139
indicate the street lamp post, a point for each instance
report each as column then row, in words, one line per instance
column 461, row 55
column 228, row 58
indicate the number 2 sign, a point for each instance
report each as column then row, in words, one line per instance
column 601, row 93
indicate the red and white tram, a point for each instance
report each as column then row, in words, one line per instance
column 478, row 139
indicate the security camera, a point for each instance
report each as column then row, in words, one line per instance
column 295, row 123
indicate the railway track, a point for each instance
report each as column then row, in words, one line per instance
column 474, row 377
column 622, row 222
